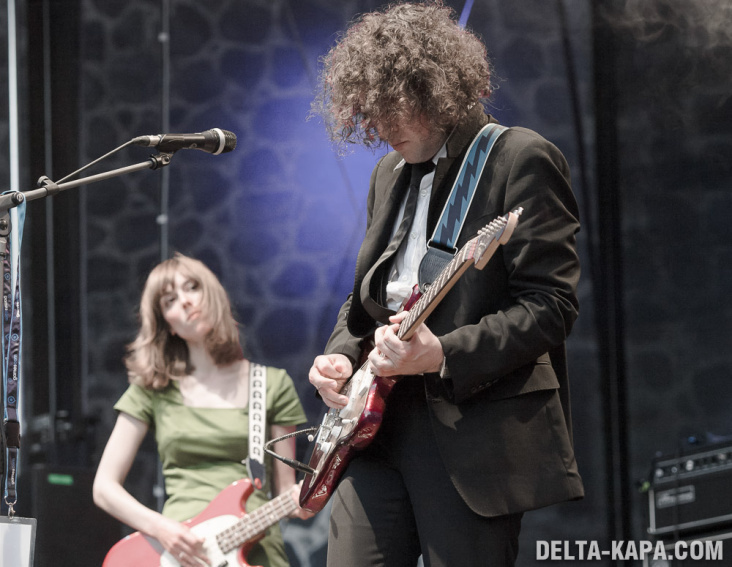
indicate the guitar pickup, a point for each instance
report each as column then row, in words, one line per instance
column 364, row 388
column 349, row 411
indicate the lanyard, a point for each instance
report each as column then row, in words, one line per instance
column 11, row 231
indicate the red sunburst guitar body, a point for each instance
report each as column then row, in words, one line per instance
column 228, row 530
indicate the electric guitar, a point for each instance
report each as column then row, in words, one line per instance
column 228, row 530
column 344, row 431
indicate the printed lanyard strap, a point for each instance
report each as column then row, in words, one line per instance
column 257, row 423
column 441, row 247
column 10, row 340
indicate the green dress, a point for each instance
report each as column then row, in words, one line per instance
column 202, row 449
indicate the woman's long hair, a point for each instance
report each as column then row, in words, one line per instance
column 156, row 355
column 404, row 61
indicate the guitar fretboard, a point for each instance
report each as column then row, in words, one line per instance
column 255, row 523
column 447, row 278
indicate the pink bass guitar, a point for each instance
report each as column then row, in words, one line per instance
column 346, row 430
column 228, row 530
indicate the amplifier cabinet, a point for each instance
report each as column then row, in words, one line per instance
column 71, row 530
column 691, row 492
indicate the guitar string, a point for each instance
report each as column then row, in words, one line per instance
column 256, row 522
column 450, row 270
column 428, row 297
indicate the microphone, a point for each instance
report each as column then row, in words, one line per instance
column 214, row 141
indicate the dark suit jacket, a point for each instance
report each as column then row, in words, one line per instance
column 502, row 420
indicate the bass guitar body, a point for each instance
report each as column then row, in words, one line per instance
column 224, row 512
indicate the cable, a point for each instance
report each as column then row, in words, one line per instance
column 295, row 464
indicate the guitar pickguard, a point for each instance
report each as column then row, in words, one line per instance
column 208, row 530
column 342, row 432
column 229, row 532
column 338, row 425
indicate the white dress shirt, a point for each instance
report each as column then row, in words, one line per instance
column 404, row 273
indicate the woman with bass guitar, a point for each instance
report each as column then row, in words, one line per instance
column 190, row 384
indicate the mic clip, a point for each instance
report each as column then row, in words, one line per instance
column 161, row 160
column 51, row 187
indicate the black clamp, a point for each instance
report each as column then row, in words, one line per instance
column 5, row 224
column 161, row 160
column 51, row 187
column 11, row 433
column 4, row 232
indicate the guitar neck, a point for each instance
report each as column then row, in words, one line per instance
column 450, row 274
column 436, row 291
column 255, row 523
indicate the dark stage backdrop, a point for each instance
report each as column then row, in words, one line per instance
column 674, row 126
column 4, row 111
column 4, row 139
column 280, row 218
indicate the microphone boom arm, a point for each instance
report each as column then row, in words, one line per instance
column 48, row 188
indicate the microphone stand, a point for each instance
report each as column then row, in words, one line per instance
column 48, row 188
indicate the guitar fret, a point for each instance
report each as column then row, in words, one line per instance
column 229, row 529
column 255, row 523
column 426, row 300
column 465, row 254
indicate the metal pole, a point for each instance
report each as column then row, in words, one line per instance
column 609, row 292
column 164, row 38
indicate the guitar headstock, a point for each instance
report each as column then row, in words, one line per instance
column 498, row 231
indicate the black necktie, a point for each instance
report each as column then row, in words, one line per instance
column 372, row 287
column 419, row 170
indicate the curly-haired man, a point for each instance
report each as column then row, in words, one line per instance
column 477, row 428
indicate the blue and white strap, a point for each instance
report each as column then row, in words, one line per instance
column 441, row 247
column 10, row 340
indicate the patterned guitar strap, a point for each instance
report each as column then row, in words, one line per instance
column 441, row 247
column 11, row 234
column 257, row 423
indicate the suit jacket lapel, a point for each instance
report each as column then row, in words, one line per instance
column 390, row 191
column 382, row 223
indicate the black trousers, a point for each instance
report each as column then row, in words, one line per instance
column 396, row 502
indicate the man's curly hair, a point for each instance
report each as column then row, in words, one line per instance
column 405, row 60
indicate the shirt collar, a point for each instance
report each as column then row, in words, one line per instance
column 441, row 154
